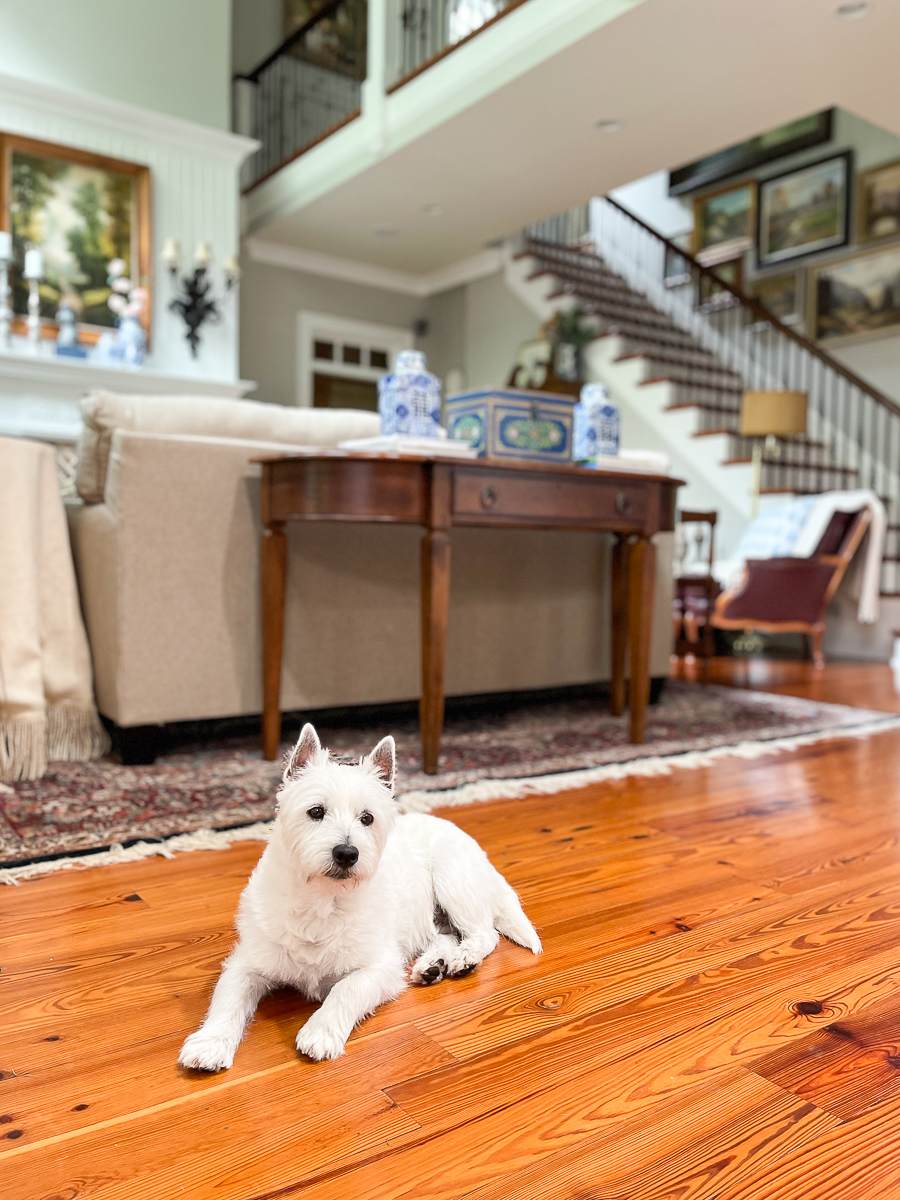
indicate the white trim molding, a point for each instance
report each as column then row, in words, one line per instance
column 467, row 270
column 313, row 327
column 118, row 117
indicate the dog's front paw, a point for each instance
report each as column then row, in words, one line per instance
column 318, row 1042
column 205, row 1052
column 461, row 963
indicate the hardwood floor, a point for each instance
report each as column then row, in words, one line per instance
column 716, row 1014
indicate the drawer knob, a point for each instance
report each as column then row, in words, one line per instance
column 488, row 497
column 623, row 503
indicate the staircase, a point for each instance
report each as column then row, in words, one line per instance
column 685, row 365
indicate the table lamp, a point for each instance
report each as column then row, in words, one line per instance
column 770, row 415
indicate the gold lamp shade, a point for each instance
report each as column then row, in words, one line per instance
column 765, row 414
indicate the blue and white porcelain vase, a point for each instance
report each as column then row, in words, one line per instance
column 409, row 399
column 596, row 427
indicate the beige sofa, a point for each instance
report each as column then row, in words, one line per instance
column 166, row 548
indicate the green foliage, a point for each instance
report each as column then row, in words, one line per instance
column 572, row 326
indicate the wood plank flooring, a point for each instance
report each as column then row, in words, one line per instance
column 716, row 1014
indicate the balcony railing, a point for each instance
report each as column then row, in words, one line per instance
column 305, row 89
column 429, row 29
column 312, row 84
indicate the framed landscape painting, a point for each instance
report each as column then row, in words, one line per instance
column 856, row 298
column 80, row 210
column 804, row 211
column 781, row 295
column 723, row 223
column 878, row 203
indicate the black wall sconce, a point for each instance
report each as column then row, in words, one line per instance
column 194, row 303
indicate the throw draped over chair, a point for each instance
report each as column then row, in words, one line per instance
column 791, row 595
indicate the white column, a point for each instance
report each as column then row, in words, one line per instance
column 374, row 109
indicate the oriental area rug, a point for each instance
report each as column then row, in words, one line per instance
column 209, row 794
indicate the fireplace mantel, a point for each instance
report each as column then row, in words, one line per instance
column 39, row 396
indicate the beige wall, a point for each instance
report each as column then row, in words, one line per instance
column 476, row 328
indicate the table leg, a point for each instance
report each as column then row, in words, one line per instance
column 641, row 582
column 273, row 574
column 619, row 625
column 435, row 607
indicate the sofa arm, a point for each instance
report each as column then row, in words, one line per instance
column 777, row 591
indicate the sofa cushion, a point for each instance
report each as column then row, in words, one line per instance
column 243, row 420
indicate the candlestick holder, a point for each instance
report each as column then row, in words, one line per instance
column 195, row 303
column 34, row 316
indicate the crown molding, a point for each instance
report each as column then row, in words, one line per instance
column 467, row 270
column 123, row 118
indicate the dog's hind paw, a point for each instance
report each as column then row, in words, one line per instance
column 426, row 970
column 204, row 1052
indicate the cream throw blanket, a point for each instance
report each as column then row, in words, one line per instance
column 46, row 688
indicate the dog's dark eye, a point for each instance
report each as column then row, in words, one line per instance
column 317, row 813
column 366, row 819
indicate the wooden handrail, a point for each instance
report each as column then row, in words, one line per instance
column 763, row 314
column 291, row 40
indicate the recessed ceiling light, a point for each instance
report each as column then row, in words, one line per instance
column 853, row 10
column 609, row 125
column 433, row 210
column 385, row 230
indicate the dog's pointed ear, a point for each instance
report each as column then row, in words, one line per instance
column 308, row 746
column 383, row 759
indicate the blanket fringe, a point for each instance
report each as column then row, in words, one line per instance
column 66, row 732
column 75, row 734
column 23, row 747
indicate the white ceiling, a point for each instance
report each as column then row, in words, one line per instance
column 685, row 77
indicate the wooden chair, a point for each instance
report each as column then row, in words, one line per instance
column 694, row 596
column 784, row 595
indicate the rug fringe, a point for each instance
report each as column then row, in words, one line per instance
column 471, row 793
column 181, row 843
column 564, row 781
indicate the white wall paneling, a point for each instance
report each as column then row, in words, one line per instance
column 194, row 173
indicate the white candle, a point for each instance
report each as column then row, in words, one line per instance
column 34, row 264
column 6, row 252
column 171, row 253
column 202, row 255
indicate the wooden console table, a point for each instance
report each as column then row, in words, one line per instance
column 437, row 494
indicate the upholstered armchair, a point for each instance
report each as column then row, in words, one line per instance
column 784, row 595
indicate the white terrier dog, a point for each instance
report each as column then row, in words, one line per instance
column 345, row 896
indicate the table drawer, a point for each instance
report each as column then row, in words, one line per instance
column 506, row 498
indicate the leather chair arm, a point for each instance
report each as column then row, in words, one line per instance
column 778, row 590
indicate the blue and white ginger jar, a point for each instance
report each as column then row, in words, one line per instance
column 409, row 399
column 596, row 426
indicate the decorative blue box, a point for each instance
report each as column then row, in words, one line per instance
column 511, row 423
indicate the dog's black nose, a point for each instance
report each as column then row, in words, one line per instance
column 344, row 855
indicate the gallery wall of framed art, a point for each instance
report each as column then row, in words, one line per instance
column 816, row 243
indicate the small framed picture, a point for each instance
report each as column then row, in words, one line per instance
column 724, row 222
column 781, row 295
column 856, row 298
column 676, row 269
column 804, row 211
column 711, row 296
column 878, row 203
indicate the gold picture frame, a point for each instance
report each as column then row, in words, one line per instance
column 878, row 203
column 100, row 211
column 724, row 222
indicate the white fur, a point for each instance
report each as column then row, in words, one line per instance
column 349, row 942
